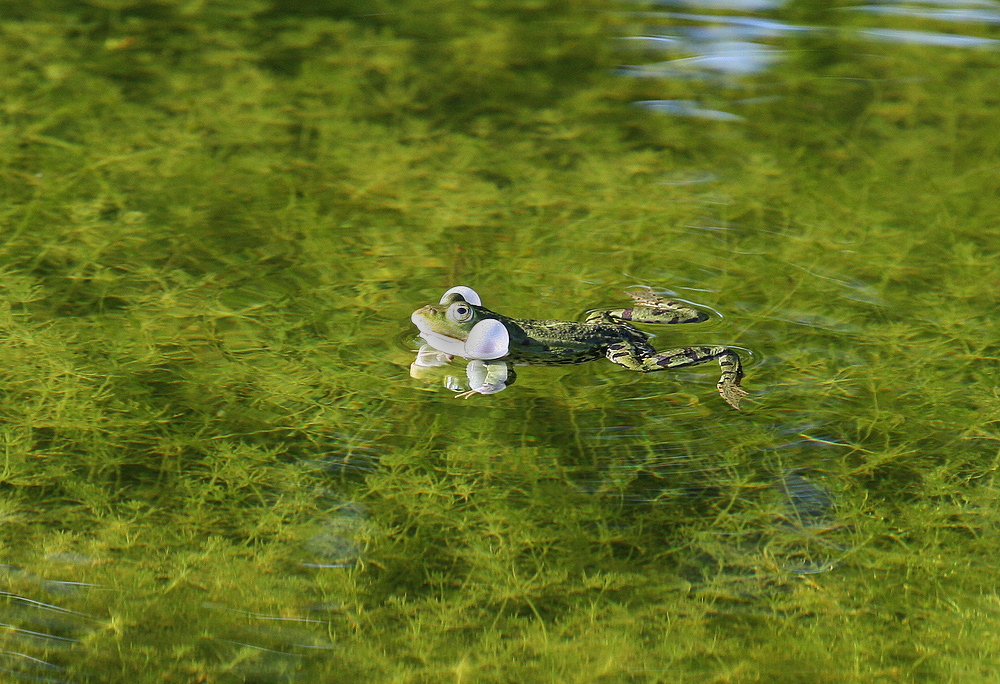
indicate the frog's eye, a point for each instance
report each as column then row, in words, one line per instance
column 459, row 312
column 467, row 293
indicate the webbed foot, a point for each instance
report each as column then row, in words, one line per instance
column 732, row 392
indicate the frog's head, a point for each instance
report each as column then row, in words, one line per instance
column 460, row 326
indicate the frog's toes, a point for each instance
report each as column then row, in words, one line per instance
column 731, row 392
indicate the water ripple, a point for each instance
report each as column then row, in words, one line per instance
column 727, row 43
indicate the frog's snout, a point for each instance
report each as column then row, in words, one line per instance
column 419, row 314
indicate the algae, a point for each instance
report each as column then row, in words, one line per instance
column 216, row 218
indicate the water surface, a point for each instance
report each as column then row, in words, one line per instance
column 217, row 217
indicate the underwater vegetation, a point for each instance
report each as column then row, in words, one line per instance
column 216, row 218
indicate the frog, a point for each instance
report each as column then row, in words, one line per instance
column 459, row 325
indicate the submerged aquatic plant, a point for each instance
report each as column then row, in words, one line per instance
column 215, row 221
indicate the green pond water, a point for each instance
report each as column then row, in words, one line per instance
column 218, row 215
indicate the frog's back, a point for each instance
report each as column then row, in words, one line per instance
column 543, row 342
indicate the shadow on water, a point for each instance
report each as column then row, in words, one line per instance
column 758, row 520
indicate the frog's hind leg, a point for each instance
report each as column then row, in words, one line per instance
column 625, row 354
column 652, row 308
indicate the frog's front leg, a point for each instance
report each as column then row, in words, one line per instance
column 488, row 377
column 637, row 358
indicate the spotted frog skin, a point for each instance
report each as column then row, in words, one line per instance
column 459, row 325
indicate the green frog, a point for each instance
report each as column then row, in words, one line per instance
column 459, row 325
